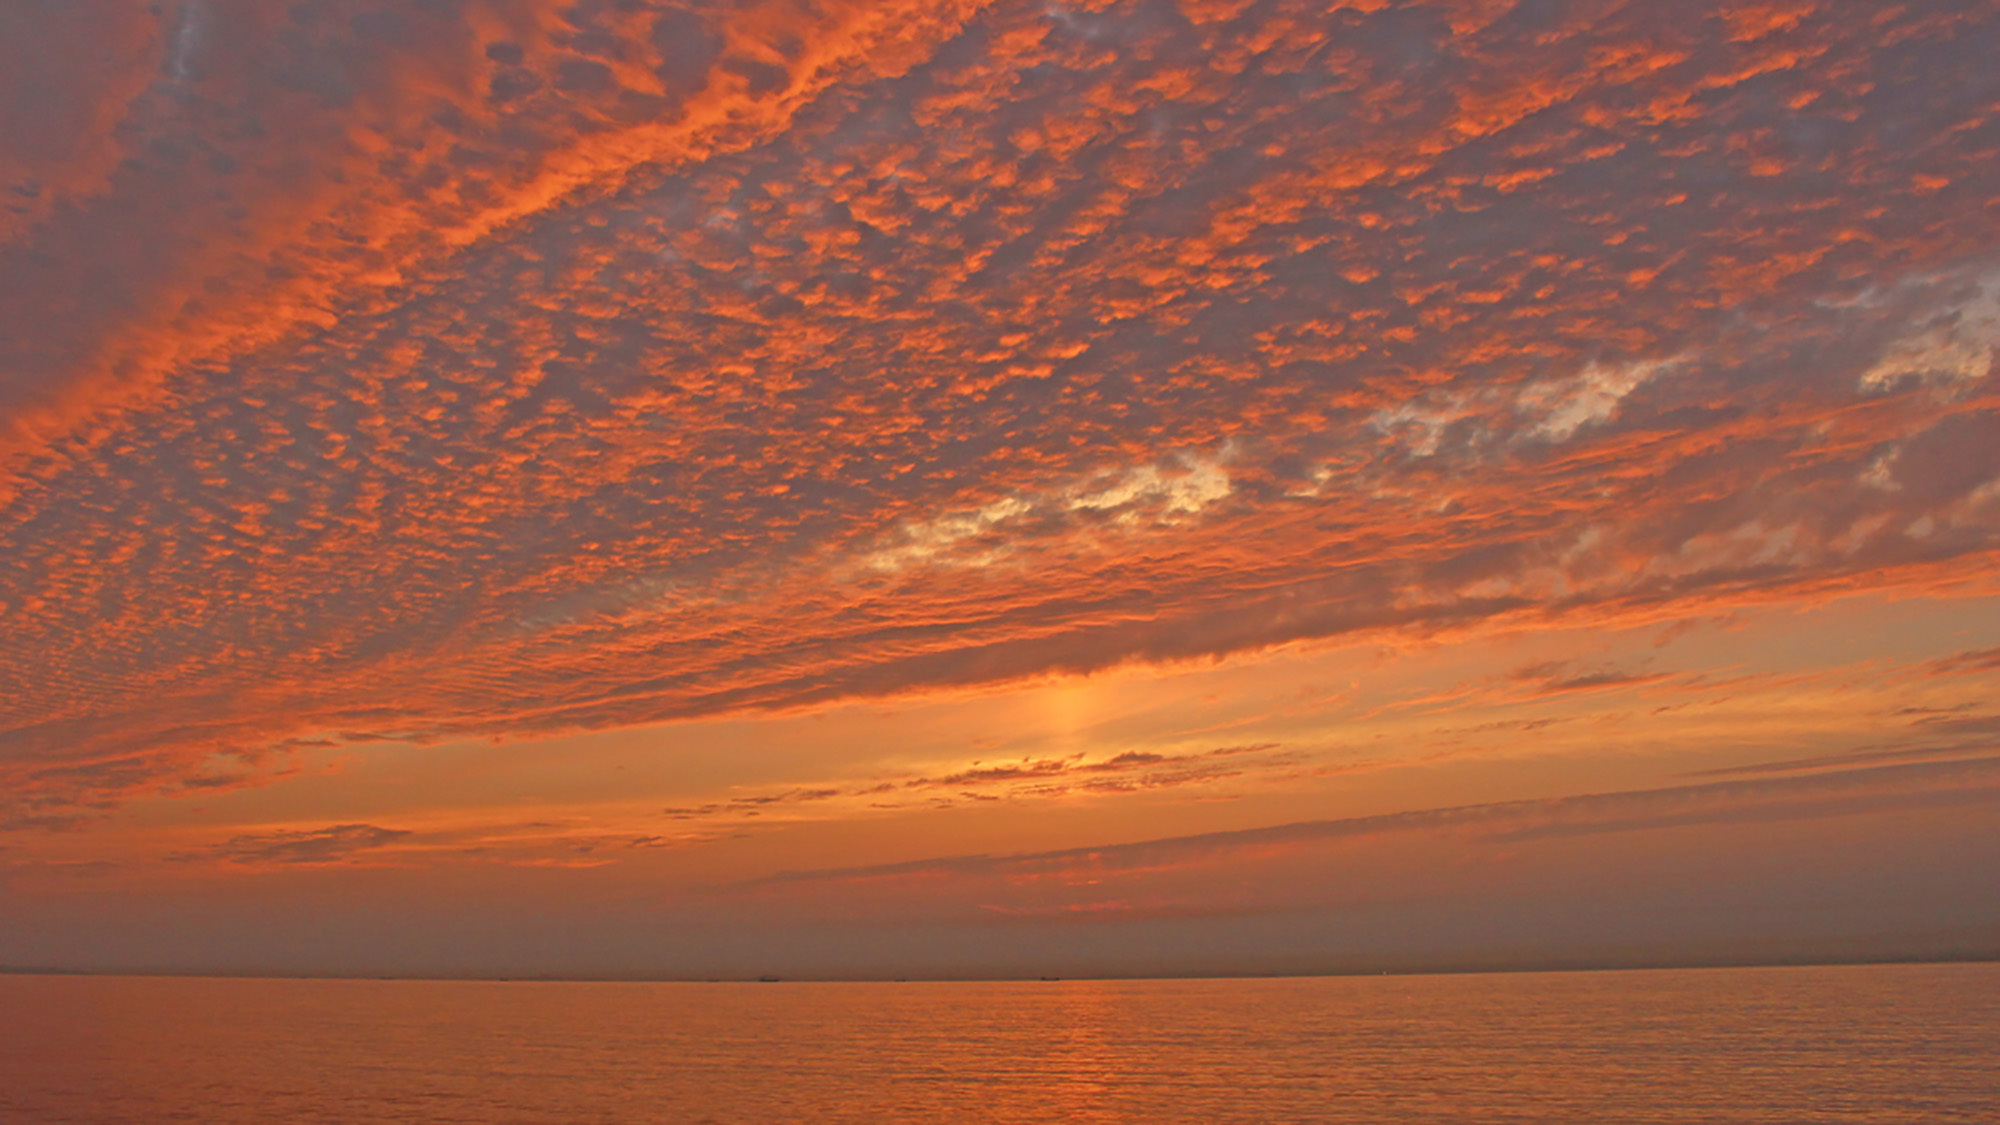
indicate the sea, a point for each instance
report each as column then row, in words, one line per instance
column 1887, row 1043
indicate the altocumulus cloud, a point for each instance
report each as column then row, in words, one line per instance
column 377, row 371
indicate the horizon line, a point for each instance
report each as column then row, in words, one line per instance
column 1984, row 957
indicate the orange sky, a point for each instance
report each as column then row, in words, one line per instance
column 961, row 487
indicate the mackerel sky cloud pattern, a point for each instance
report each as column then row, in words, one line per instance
column 421, row 372
column 427, row 370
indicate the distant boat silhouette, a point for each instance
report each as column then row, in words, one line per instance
column 769, row 980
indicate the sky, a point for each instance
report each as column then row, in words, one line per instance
column 950, row 487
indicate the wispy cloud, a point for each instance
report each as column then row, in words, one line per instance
column 1151, row 497
column 1023, row 779
column 319, row 845
column 1822, row 795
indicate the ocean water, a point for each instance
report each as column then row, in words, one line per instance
column 1860, row 1044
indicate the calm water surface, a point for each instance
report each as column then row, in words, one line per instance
column 1875, row 1044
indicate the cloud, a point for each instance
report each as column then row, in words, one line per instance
column 1969, row 662
column 1560, row 677
column 1970, row 724
column 321, row 845
column 1134, row 500
column 1955, row 347
column 1823, row 795
column 1025, row 779
column 440, row 371
column 1549, row 409
column 1851, row 760
column 300, row 166
column 1591, row 397
column 69, row 74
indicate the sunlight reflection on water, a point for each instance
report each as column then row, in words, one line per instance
column 1864, row 1044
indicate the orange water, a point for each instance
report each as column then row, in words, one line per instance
column 1867, row 1044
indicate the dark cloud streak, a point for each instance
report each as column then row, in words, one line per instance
column 323, row 845
column 1834, row 794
